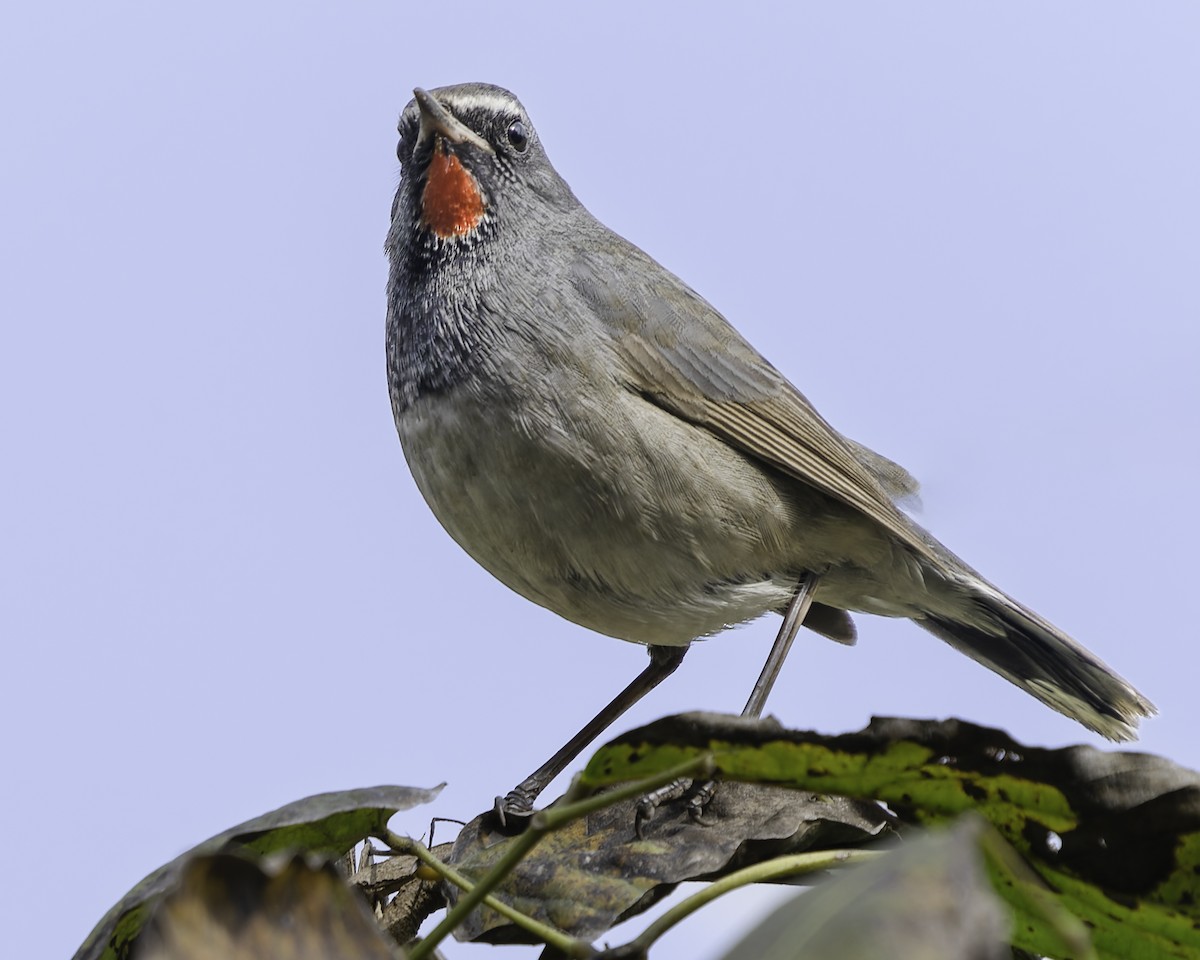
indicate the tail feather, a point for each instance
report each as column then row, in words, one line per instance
column 832, row 623
column 1043, row 661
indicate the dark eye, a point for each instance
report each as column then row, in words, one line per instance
column 518, row 136
column 400, row 150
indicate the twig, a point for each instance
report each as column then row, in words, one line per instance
column 791, row 865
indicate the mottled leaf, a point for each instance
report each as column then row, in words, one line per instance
column 595, row 872
column 227, row 907
column 1117, row 835
column 327, row 824
column 929, row 899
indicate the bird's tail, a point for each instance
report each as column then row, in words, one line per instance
column 1040, row 659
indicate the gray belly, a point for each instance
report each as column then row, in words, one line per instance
column 620, row 517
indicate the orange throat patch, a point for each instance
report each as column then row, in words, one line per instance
column 451, row 204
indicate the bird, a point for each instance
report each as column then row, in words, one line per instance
column 603, row 441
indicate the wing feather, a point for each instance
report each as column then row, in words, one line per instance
column 681, row 354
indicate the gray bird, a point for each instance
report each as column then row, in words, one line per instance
column 601, row 440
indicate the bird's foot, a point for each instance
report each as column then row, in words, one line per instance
column 514, row 811
column 696, row 805
column 699, row 801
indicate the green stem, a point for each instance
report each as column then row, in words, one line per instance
column 568, row 946
column 759, row 872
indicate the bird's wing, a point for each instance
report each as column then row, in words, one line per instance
column 682, row 355
column 900, row 485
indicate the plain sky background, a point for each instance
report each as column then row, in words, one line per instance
column 970, row 233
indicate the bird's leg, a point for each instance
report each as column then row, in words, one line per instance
column 793, row 618
column 514, row 810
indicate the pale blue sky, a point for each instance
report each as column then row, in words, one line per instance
column 969, row 233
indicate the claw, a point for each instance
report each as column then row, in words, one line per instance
column 699, row 803
column 696, row 815
column 513, row 813
column 650, row 803
column 646, row 809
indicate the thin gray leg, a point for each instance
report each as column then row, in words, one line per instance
column 514, row 810
column 793, row 618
